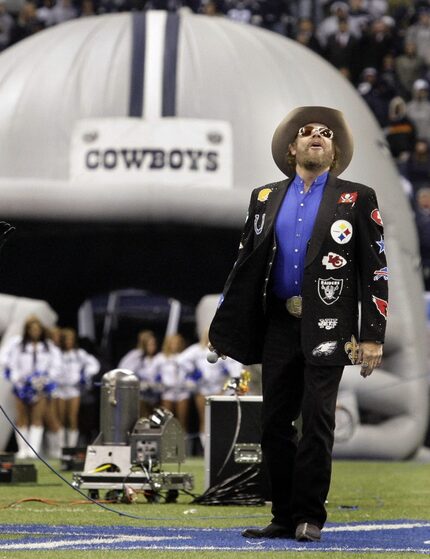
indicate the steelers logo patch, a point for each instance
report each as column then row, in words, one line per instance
column 341, row 231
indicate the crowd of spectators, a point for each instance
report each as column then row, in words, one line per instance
column 381, row 46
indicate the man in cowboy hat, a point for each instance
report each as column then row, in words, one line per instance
column 312, row 249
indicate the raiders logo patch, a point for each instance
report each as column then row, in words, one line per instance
column 329, row 290
column 341, row 231
column 264, row 194
column 348, row 198
column 325, row 349
column 376, row 216
column 333, row 261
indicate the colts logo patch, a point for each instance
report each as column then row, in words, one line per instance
column 259, row 228
column 376, row 216
column 329, row 290
column 381, row 305
column 264, row 194
column 333, row 261
column 341, row 231
column 348, row 198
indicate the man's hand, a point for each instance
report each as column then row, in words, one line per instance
column 370, row 356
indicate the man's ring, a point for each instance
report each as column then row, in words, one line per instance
column 365, row 364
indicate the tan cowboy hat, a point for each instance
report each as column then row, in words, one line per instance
column 287, row 130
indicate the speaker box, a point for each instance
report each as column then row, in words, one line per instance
column 233, row 437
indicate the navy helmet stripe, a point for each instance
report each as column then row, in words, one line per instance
column 170, row 64
column 137, row 63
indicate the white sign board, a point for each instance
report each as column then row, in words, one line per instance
column 167, row 151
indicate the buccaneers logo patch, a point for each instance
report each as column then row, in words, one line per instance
column 341, row 231
column 329, row 290
column 264, row 194
column 376, row 216
column 348, row 198
column 381, row 305
column 333, row 261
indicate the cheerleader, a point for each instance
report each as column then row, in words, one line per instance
column 78, row 366
column 176, row 393
column 208, row 378
column 140, row 360
column 33, row 364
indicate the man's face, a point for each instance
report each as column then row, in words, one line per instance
column 313, row 152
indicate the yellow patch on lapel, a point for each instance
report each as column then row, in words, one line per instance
column 264, row 194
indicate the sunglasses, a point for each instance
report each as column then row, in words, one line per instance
column 310, row 130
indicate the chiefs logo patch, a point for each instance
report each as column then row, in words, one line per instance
column 376, row 216
column 348, row 198
column 333, row 261
column 381, row 305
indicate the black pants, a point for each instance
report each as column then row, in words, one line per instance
column 299, row 471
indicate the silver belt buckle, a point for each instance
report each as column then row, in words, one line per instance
column 294, row 306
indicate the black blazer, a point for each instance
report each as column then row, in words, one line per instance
column 345, row 264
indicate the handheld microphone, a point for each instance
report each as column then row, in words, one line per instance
column 212, row 356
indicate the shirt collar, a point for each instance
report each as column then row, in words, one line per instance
column 319, row 181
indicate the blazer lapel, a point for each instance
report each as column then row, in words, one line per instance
column 273, row 204
column 324, row 218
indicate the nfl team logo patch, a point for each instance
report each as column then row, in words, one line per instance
column 264, row 194
column 329, row 290
column 333, row 261
column 376, row 216
column 381, row 305
column 341, row 231
column 381, row 274
column 348, row 198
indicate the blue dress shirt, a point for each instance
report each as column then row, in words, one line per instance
column 293, row 229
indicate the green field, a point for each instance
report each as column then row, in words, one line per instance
column 361, row 491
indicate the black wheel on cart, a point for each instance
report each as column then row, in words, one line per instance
column 114, row 495
column 93, row 494
column 152, row 496
column 172, row 496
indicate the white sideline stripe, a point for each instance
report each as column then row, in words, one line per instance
column 154, row 55
column 372, row 527
column 90, row 541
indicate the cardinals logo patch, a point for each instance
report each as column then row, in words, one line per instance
column 264, row 194
column 376, row 216
column 348, row 198
column 381, row 305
